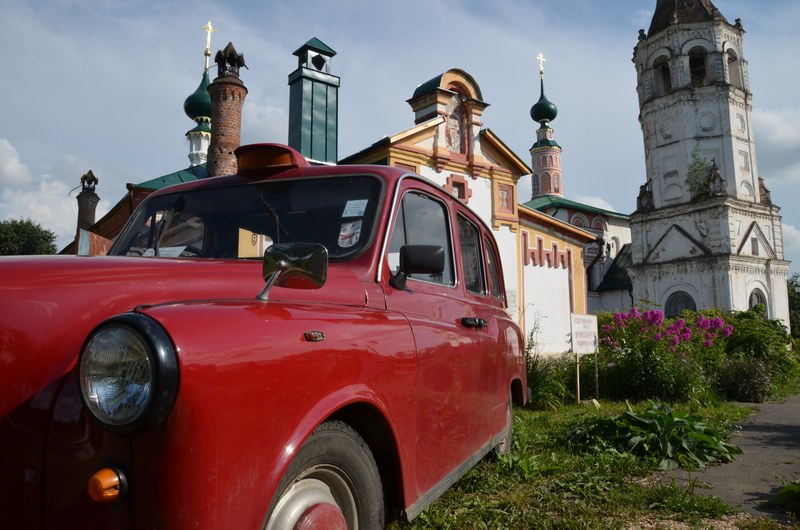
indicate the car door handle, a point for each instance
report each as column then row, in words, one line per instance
column 473, row 322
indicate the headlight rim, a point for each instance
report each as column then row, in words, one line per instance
column 164, row 367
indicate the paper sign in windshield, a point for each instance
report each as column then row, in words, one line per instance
column 355, row 208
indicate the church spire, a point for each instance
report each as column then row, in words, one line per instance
column 545, row 153
column 198, row 107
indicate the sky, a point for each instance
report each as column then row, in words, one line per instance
column 100, row 84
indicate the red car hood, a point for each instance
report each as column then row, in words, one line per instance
column 49, row 304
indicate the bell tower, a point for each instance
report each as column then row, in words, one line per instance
column 705, row 232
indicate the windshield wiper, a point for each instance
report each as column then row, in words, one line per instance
column 279, row 228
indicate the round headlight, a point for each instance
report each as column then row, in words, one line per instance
column 128, row 373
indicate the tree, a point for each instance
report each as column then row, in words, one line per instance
column 794, row 305
column 23, row 237
column 698, row 175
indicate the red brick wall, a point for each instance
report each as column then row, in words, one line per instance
column 227, row 98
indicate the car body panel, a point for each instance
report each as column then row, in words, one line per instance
column 426, row 389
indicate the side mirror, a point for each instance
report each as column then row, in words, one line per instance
column 295, row 266
column 421, row 259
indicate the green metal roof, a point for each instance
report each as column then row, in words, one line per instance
column 316, row 45
column 198, row 104
column 546, row 202
column 616, row 278
column 184, row 175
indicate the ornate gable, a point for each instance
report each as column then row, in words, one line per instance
column 676, row 244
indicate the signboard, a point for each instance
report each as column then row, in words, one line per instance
column 584, row 333
column 584, row 340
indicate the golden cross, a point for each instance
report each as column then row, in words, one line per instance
column 541, row 60
column 209, row 29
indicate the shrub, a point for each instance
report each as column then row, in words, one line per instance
column 546, row 378
column 746, row 380
column 645, row 356
column 674, row 439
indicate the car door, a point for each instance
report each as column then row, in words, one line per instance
column 447, row 394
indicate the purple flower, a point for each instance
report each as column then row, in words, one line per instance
column 657, row 336
column 708, row 343
column 717, row 323
column 702, row 322
column 606, row 328
column 727, row 331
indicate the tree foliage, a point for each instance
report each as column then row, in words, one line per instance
column 794, row 305
column 24, row 237
column 698, row 175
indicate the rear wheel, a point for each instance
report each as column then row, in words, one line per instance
column 332, row 483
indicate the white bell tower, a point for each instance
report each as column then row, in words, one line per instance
column 705, row 232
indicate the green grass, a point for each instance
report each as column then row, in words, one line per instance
column 546, row 483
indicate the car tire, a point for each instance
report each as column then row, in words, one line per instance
column 333, row 482
column 503, row 447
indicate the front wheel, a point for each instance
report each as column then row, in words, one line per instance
column 332, row 483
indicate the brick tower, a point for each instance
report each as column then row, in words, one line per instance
column 227, row 97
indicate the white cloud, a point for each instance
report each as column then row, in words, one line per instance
column 778, row 129
column 597, row 202
column 12, row 171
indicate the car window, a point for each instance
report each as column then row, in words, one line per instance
column 471, row 256
column 241, row 221
column 494, row 271
column 422, row 220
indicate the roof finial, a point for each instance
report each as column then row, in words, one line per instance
column 209, row 29
column 541, row 60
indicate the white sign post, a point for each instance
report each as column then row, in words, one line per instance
column 584, row 341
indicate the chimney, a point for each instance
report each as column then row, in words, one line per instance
column 227, row 97
column 87, row 201
column 314, row 103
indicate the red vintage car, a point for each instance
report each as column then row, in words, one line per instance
column 293, row 346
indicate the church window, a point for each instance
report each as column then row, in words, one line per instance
column 756, row 298
column 663, row 77
column 556, row 183
column 697, row 66
column 547, row 186
column 754, row 246
column 535, row 185
column 460, row 190
column 599, row 224
column 677, row 303
column 579, row 220
column 734, row 71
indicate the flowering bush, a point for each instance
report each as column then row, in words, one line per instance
column 648, row 356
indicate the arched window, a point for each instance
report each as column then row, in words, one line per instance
column 547, row 186
column 734, row 70
column 535, row 185
column 697, row 66
column 663, row 77
column 757, row 297
column 677, row 302
column 556, row 183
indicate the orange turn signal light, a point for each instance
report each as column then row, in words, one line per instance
column 107, row 485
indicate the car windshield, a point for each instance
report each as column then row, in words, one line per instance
column 241, row 221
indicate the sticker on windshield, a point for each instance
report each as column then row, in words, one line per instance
column 355, row 208
column 349, row 234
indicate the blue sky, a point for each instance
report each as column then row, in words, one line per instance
column 100, row 85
